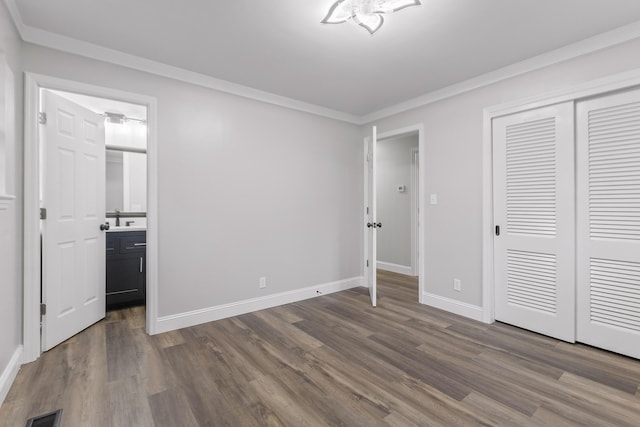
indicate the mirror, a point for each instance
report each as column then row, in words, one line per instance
column 126, row 181
column 126, row 164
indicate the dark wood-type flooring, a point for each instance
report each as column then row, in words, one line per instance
column 332, row 360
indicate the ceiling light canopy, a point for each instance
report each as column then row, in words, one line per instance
column 366, row 13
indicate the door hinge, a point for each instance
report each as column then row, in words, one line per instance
column 42, row 118
column 367, row 263
column 367, row 210
column 43, row 309
column 43, row 213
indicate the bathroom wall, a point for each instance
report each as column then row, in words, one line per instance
column 394, row 207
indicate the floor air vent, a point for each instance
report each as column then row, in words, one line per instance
column 52, row 419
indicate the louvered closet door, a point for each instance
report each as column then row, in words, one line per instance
column 534, row 208
column 608, row 172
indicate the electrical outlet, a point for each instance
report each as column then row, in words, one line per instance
column 263, row 282
column 457, row 285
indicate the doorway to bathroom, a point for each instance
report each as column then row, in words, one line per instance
column 91, row 248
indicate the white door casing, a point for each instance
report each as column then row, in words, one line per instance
column 73, row 182
column 608, row 222
column 370, row 216
column 533, row 167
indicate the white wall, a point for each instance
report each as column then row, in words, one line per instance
column 11, row 218
column 246, row 189
column 393, row 207
column 453, row 169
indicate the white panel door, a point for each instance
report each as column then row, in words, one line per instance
column 73, row 164
column 534, row 211
column 608, row 175
column 370, row 218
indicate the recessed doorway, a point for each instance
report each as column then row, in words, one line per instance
column 73, row 131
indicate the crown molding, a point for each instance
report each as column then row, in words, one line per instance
column 67, row 44
column 15, row 15
column 601, row 41
column 79, row 47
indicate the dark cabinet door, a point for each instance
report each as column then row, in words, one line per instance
column 126, row 269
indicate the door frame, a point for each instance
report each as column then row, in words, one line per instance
column 421, row 218
column 616, row 82
column 415, row 209
column 32, row 251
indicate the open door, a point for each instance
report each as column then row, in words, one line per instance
column 370, row 218
column 73, row 234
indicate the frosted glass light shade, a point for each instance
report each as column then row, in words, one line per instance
column 366, row 13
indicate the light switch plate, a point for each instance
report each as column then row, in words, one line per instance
column 433, row 199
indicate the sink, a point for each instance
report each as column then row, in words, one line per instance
column 113, row 228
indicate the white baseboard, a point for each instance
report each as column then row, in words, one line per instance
column 210, row 314
column 9, row 373
column 456, row 307
column 395, row 268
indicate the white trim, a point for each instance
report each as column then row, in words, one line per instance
column 601, row 41
column 488, row 299
column 415, row 211
column 211, row 314
column 89, row 50
column 15, row 15
column 395, row 268
column 78, row 47
column 6, row 200
column 456, row 307
column 31, row 215
column 9, row 373
column 33, row 82
column 422, row 152
column 601, row 86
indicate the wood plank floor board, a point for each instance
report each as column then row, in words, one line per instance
column 561, row 397
column 328, row 320
column 499, row 414
column 361, row 384
column 170, row 408
column 328, row 361
column 340, row 340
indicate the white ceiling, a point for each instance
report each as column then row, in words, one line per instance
column 280, row 46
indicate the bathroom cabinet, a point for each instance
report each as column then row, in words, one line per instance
column 126, row 268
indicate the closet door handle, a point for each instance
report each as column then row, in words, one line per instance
column 140, row 264
column 497, row 230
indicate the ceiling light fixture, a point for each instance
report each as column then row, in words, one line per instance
column 366, row 13
column 118, row 119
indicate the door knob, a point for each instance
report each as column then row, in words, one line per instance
column 104, row 227
column 378, row 225
column 370, row 224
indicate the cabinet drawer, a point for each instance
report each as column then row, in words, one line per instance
column 112, row 244
column 133, row 242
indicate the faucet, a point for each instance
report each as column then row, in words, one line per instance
column 117, row 218
column 128, row 223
